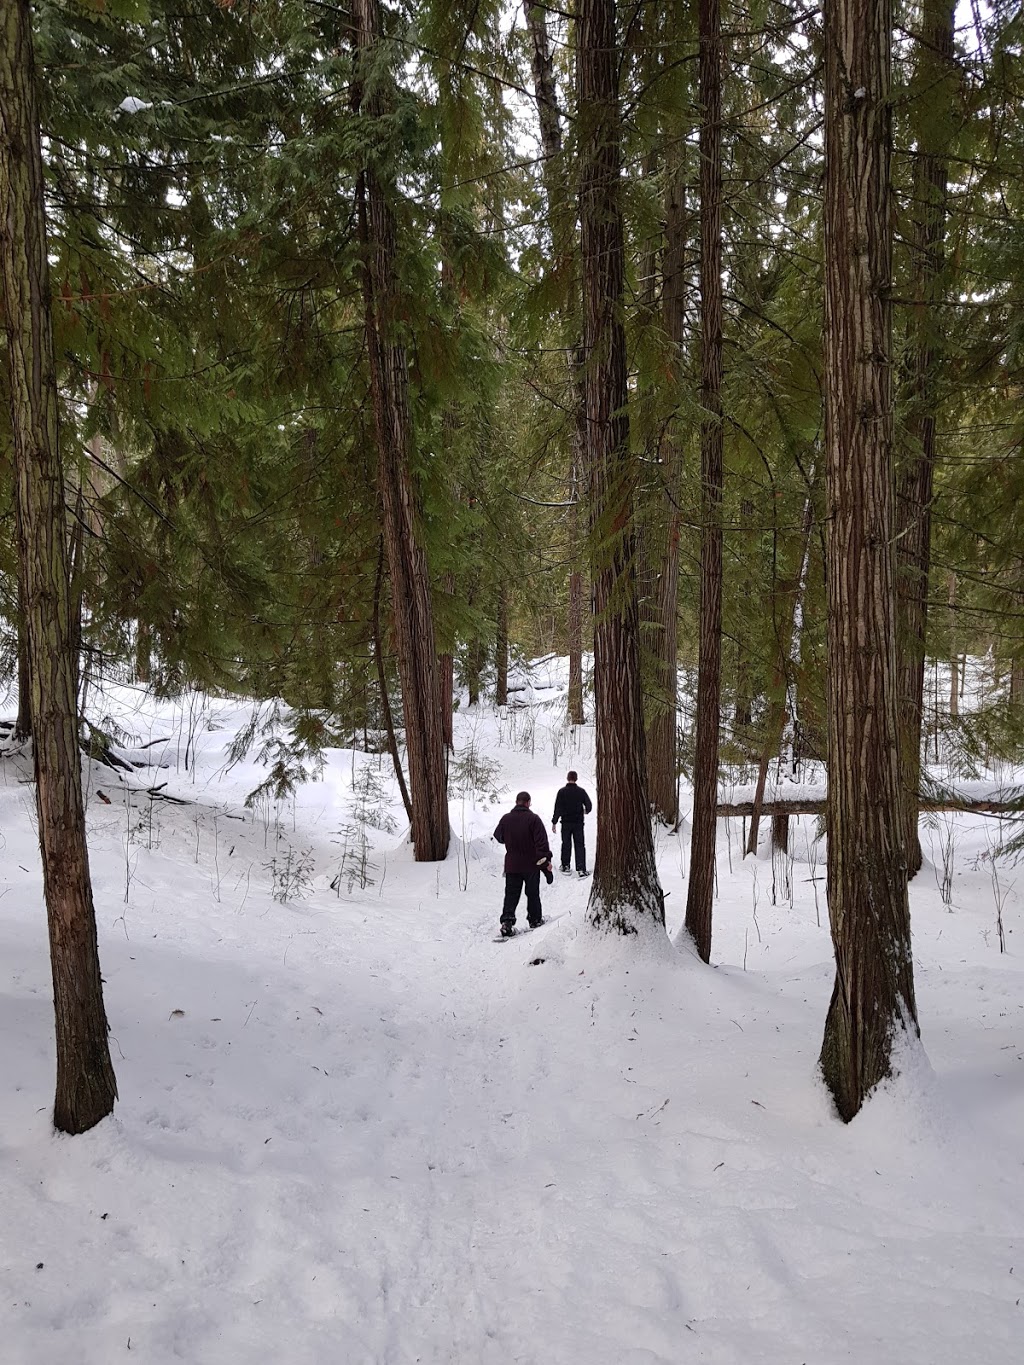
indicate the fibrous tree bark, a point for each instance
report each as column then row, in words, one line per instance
column 86, row 1088
column 389, row 385
column 873, row 999
column 476, row 662
column 562, row 220
column 574, row 700
column 954, row 659
column 382, row 684
column 932, row 111
column 662, row 743
column 745, row 674
column 501, row 649
column 625, row 893
column 701, row 888
column 446, row 676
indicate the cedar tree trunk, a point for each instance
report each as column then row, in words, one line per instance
column 625, row 891
column 501, row 649
column 389, row 385
column 446, row 675
column 86, row 1088
column 662, row 742
column 932, row 109
column 701, row 888
column 873, row 998
column 382, row 684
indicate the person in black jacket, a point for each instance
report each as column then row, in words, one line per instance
column 526, row 855
column 571, row 804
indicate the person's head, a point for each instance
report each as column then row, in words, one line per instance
column 523, row 799
column 571, row 776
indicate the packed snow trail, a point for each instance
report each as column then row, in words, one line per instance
column 352, row 1129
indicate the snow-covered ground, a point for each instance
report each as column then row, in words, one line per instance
column 354, row 1129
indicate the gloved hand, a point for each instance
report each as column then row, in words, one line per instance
column 545, row 867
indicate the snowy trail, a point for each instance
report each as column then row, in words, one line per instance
column 353, row 1129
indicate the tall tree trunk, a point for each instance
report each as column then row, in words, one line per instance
column 932, row 110
column 662, row 742
column 476, row 659
column 446, row 677
column 76, row 576
column 579, row 584
column 501, row 649
column 382, row 683
column 450, row 425
column 649, row 500
column 575, row 698
column 86, row 1088
column 446, row 681
column 389, row 385
column 662, row 736
column 562, row 221
column 743, row 700
column 625, row 892
column 954, row 660
column 780, row 830
column 873, row 998
column 701, row 888
column 143, row 653
column 1016, row 681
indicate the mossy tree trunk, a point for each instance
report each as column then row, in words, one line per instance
column 86, row 1088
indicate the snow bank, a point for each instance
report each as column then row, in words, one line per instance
column 353, row 1128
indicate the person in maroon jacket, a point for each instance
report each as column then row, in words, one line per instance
column 526, row 855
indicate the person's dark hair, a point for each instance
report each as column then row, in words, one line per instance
column 572, row 776
column 522, row 798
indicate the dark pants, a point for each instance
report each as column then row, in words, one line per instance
column 514, row 883
column 572, row 838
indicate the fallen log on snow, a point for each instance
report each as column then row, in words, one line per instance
column 812, row 806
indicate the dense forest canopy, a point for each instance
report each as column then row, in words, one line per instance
column 201, row 168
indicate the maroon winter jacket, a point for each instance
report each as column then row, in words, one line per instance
column 525, row 839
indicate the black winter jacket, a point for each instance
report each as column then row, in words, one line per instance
column 525, row 840
column 571, row 804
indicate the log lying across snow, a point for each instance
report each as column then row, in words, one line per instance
column 805, row 804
